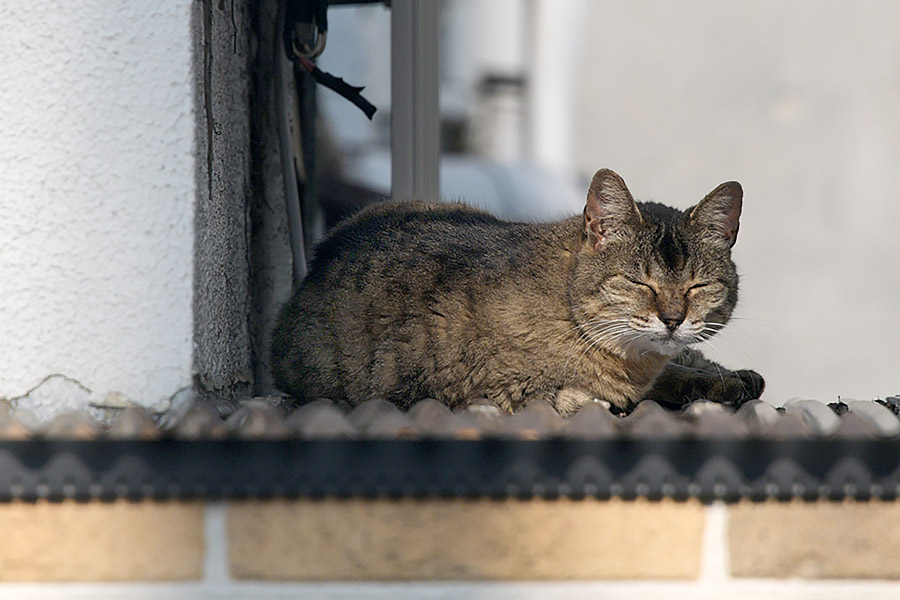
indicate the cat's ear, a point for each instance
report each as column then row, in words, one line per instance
column 718, row 215
column 610, row 211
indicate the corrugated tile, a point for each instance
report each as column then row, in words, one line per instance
column 320, row 419
column 720, row 425
column 649, row 419
column 380, row 418
column 135, row 422
column 430, row 415
column 758, row 415
column 72, row 425
column 537, row 420
column 465, row 426
column 361, row 415
column 485, row 415
column 12, row 428
column 277, row 418
column 885, row 420
column 592, row 421
column 704, row 407
column 257, row 419
column 200, row 421
column 789, row 426
column 391, row 425
column 433, row 419
column 818, row 415
column 855, row 425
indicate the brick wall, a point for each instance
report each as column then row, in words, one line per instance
column 441, row 539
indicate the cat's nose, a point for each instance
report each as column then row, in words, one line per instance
column 671, row 322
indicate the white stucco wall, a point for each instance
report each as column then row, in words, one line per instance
column 96, row 196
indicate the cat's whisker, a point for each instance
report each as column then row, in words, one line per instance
column 605, row 330
column 581, row 328
column 757, row 321
column 711, row 345
column 583, row 347
column 610, row 330
column 587, row 341
column 600, row 334
column 719, row 371
column 674, row 365
column 748, row 338
column 616, row 338
column 722, row 342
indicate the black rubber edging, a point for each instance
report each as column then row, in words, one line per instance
column 709, row 470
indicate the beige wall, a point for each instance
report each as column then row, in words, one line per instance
column 799, row 101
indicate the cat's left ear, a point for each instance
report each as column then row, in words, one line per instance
column 718, row 215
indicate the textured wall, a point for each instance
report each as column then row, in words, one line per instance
column 97, row 187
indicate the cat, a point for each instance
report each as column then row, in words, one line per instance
column 413, row 300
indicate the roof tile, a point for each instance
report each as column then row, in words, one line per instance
column 592, row 421
column 320, row 419
column 273, row 418
column 135, row 422
column 818, row 415
column 12, row 426
column 649, row 419
column 257, row 419
column 885, row 420
column 201, row 420
column 72, row 425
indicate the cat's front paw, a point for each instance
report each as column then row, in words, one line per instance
column 736, row 387
column 568, row 400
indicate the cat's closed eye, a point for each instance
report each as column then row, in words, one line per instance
column 697, row 287
column 706, row 296
column 643, row 284
column 705, row 288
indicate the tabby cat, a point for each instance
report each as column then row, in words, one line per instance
column 412, row 300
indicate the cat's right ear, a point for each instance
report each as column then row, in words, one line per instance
column 610, row 211
column 718, row 215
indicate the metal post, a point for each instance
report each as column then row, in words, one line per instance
column 415, row 116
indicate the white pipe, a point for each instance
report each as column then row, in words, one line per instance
column 555, row 32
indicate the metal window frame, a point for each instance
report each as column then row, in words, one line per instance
column 415, row 114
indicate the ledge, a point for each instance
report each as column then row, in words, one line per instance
column 705, row 452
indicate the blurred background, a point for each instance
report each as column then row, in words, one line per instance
column 798, row 101
column 143, row 244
